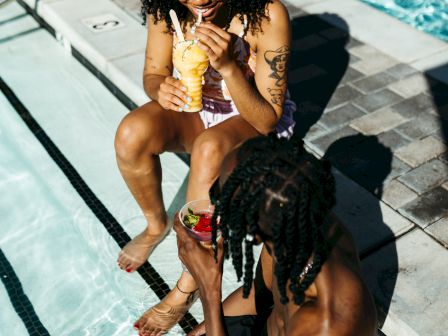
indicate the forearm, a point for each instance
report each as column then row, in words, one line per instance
column 250, row 103
column 151, row 84
column 213, row 313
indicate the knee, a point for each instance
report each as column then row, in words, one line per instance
column 133, row 138
column 207, row 155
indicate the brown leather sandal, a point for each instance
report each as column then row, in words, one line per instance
column 164, row 316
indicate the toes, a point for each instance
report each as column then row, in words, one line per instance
column 122, row 260
column 123, row 264
column 147, row 331
column 129, row 268
column 132, row 266
column 140, row 323
column 156, row 332
column 128, row 264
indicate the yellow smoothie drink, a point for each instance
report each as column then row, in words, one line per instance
column 191, row 62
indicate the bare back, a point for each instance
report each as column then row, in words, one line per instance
column 337, row 303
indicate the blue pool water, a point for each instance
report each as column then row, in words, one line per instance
column 430, row 16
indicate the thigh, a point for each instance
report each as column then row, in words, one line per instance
column 228, row 134
column 161, row 130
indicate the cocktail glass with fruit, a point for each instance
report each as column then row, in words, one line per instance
column 196, row 217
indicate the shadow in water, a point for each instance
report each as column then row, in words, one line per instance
column 368, row 162
column 318, row 62
column 12, row 19
column 19, row 299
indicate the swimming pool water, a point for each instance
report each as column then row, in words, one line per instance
column 430, row 16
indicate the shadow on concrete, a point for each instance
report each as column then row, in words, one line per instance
column 439, row 92
column 368, row 162
column 318, row 62
column 436, row 200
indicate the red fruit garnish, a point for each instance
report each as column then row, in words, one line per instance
column 204, row 224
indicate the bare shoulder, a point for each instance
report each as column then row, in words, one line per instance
column 277, row 19
column 274, row 28
column 277, row 13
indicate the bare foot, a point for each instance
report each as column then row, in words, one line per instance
column 163, row 316
column 138, row 250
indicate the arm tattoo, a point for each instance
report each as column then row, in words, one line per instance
column 277, row 60
column 277, row 96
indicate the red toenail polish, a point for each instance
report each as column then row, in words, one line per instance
column 128, row 270
column 136, row 326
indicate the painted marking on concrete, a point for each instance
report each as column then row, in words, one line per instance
column 102, row 23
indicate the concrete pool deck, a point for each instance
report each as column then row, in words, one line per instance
column 372, row 95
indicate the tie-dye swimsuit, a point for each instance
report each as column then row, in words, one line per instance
column 218, row 105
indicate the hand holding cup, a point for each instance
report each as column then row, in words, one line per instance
column 173, row 95
column 199, row 261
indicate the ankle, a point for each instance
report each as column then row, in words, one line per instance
column 156, row 226
column 184, row 291
column 154, row 230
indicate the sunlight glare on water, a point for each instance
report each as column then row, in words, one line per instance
column 430, row 16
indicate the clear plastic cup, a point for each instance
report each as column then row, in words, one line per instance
column 191, row 62
column 197, row 207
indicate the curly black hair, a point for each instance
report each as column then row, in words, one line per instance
column 281, row 192
column 253, row 10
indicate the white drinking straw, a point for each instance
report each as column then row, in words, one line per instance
column 180, row 35
column 199, row 16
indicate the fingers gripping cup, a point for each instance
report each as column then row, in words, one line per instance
column 191, row 62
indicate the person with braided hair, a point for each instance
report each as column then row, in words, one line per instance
column 244, row 95
column 307, row 280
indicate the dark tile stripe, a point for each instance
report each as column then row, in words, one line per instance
column 148, row 273
column 19, row 299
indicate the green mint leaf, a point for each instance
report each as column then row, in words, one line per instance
column 191, row 220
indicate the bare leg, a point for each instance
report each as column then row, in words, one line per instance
column 208, row 152
column 141, row 137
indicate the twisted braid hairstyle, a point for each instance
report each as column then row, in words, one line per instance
column 253, row 10
column 282, row 193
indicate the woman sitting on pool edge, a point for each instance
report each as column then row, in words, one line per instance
column 308, row 277
column 244, row 95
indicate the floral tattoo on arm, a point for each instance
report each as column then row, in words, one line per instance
column 277, row 61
